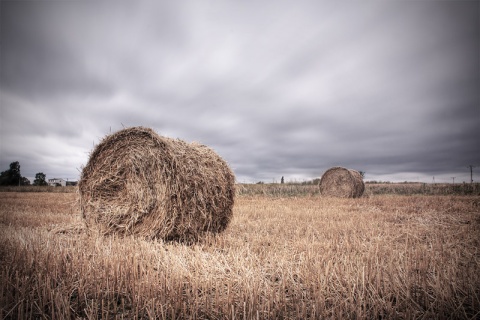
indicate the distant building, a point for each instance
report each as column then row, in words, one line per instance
column 57, row 182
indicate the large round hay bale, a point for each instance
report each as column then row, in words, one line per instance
column 342, row 183
column 137, row 182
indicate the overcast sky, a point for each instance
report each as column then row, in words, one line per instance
column 276, row 88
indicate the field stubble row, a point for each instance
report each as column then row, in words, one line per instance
column 308, row 189
column 382, row 256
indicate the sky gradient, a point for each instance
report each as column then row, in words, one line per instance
column 276, row 88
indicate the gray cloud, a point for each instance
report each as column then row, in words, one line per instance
column 276, row 88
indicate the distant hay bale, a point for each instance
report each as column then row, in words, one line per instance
column 342, row 183
column 137, row 182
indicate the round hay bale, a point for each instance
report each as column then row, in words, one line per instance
column 342, row 183
column 137, row 182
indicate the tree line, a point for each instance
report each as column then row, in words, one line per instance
column 13, row 177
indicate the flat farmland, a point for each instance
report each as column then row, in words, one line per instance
column 305, row 257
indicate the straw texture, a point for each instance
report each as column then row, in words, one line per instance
column 137, row 182
column 341, row 182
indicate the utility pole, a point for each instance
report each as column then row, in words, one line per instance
column 471, row 173
column 453, row 180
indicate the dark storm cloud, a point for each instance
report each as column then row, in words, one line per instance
column 37, row 58
column 276, row 88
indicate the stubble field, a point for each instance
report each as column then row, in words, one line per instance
column 380, row 256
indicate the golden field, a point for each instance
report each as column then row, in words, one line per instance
column 297, row 257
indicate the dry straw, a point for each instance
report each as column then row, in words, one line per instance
column 137, row 182
column 341, row 182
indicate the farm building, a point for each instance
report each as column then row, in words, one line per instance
column 57, row 182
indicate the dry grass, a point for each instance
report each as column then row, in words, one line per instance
column 38, row 189
column 292, row 258
column 137, row 182
column 371, row 189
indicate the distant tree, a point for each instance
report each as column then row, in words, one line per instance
column 15, row 168
column 282, row 180
column 24, row 181
column 11, row 177
column 40, row 179
column 5, row 179
column 362, row 173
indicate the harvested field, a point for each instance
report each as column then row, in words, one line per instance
column 312, row 257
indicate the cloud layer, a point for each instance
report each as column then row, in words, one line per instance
column 276, row 88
